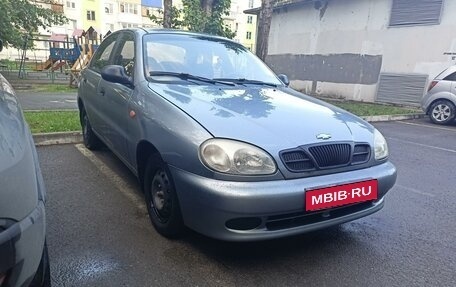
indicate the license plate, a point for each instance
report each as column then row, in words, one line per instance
column 340, row 195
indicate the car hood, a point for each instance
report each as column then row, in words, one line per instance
column 273, row 118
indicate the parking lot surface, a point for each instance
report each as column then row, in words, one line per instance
column 47, row 101
column 99, row 233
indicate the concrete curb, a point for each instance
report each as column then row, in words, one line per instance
column 388, row 118
column 57, row 138
column 45, row 139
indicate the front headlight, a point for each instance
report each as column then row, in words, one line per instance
column 233, row 157
column 380, row 146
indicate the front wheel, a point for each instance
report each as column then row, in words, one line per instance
column 161, row 199
column 442, row 112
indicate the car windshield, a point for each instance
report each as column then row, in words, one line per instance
column 170, row 56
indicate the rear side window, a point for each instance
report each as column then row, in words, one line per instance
column 451, row 77
column 126, row 56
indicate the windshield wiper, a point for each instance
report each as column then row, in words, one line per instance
column 247, row 81
column 186, row 77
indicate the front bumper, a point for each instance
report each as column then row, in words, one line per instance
column 208, row 204
column 21, row 247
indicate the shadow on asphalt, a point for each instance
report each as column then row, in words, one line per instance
column 309, row 244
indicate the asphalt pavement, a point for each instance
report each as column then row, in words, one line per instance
column 46, row 101
column 99, row 233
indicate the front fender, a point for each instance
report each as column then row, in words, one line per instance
column 174, row 134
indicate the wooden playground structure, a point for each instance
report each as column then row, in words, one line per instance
column 68, row 54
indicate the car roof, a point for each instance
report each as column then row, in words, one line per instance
column 174, row 31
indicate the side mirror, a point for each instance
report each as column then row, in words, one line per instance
column 115, row 74
column 284, row 79
column 1, row 45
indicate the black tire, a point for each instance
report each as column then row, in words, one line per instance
column 91, row 141
column 43, row 274
column 161, row 199
column 442, row 112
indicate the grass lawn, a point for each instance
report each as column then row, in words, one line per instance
column 371, row 109
column 53, row 121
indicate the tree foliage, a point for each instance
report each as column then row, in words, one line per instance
column 19, row 18
column 175, row 21
column 204, row 16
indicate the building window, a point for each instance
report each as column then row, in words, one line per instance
column 108, row 8
column 129, row 25
column 420, row 12
column 74, row 23
column 71, row 4
column 250, row 3
column 129, row 8
column 237, row 27
column 248, row 36
column 90, row 15
column 249, row 19
column 110, row 27
column 146, row 12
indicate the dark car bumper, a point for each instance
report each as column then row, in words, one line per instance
column 277, row 206
column 21, row 247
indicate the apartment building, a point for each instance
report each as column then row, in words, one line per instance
column 243, row 24
column 111, row 15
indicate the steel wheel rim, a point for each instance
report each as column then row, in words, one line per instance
column 161, row 200
column 441, row 112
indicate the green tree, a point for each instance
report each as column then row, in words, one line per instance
column 204, row 16
column 19, row 18
column 173, row 18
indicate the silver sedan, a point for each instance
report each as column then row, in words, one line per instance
column 222, row 145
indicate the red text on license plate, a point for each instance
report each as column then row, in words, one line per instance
column 341, row 195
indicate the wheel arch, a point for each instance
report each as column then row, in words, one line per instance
column 439, row 97
column 144, row 150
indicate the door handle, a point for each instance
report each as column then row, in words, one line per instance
column 102, row 91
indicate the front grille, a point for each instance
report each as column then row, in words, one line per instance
column 361, row 153
column 331, row 155
column 297, row 161
column 326, row 156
